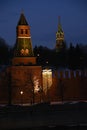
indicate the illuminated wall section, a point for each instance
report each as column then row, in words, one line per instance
column 47, row 79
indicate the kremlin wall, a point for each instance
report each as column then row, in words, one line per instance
column 63, row 86
column 69, row 86
column 25, row 82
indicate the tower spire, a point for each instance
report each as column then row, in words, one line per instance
column 59, row 36
column 59, row 25
column 22, row 19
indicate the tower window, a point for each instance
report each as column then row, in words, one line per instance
column 21, row 31
column 26, row 31
column 26, row 51
column 22, row 51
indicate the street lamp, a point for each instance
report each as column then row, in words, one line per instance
column 21, row 92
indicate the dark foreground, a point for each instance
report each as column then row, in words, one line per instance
column 44, row 116
column 51, row 128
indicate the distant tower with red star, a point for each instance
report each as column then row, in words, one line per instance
column 59, row 37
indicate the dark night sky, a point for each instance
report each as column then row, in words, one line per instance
column 42, row 16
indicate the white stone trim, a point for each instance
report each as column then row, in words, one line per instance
column 24, row 37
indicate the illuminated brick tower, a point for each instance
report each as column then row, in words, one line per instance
column 26, row 75
column 59, row 37
column 23, row 53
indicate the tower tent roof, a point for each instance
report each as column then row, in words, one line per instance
column 59, row 26
column 22, row 20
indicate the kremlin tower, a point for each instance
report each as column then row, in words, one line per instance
column 26, row 75
column 23, row 52
column 59, row 37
